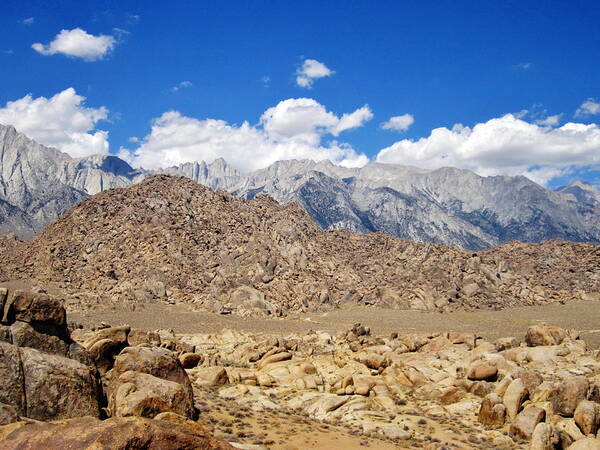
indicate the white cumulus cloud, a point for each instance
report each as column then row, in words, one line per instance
column 588, row 108
column 61, row 121
column 311, row 70
column 79, row 44
column 505, row 145
column 398, row 123
column 293, row 129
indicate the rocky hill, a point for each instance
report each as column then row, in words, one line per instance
column 449, row 206
column 170, row 239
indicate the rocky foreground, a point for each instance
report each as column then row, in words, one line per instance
column 171, row 240
column 62, row 386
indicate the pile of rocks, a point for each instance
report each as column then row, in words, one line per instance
column 454, row 388
column 169, row 239
column 142, row 391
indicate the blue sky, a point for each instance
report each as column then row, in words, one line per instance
column 443, row 63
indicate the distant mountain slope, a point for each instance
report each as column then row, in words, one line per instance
column 582, row 192
column 450, row 206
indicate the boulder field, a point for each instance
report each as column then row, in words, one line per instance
column 63, row 386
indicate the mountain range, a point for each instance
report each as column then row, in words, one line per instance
column 450, row 206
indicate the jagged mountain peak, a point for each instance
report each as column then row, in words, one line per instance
column 448, row 205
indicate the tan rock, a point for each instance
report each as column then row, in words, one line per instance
column 586, row 417
column 526, row 421
column 155, row 361
column 482, row 370
column 544, row 335
column 48, row 338
column 33, row 307
column 116, row 334
column 103, row 353
column 371, row 360
column 177, row 419
column 492, row 411
column 58, row 387
column 545, row 437
column 569, row 428
column 142, row 337
column 569, row 392
column 115, row 433
column 11, row 378
column 144, row 395
column 209, row 376
column 506, row 343
column 274, row 358
column 513, row 398
column 324, row 405
column 190, row 360
column 586, row 444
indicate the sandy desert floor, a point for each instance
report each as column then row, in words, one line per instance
column 581, row 316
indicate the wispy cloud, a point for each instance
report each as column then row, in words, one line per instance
column 183, row 85
column 133, row 18
column 550, row 121
column 524, row 66
column 265, row 80
column 590, row 107
column 28, row 21
column 8, row 51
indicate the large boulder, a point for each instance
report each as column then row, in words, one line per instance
column 209, row 376
column 544, row 335
column 144, row 395
column 58, row 387
column 8, row 414
column 513, row 398
column 34, row 307
column 545, row 437
column 119, row 433
column 586, row 444
column 482, row 370
column 155, row 361
column 46, row 337
column 526, row 421
column 567, row 395
column 105, row 344
column 492, row 411
column 586, row 417
column 11, row 378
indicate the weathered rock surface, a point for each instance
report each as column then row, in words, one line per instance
column 118, row 433
column 143, row 395
column 57, row 387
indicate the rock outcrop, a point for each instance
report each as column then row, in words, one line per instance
column 118, row 433
column 58, row 392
